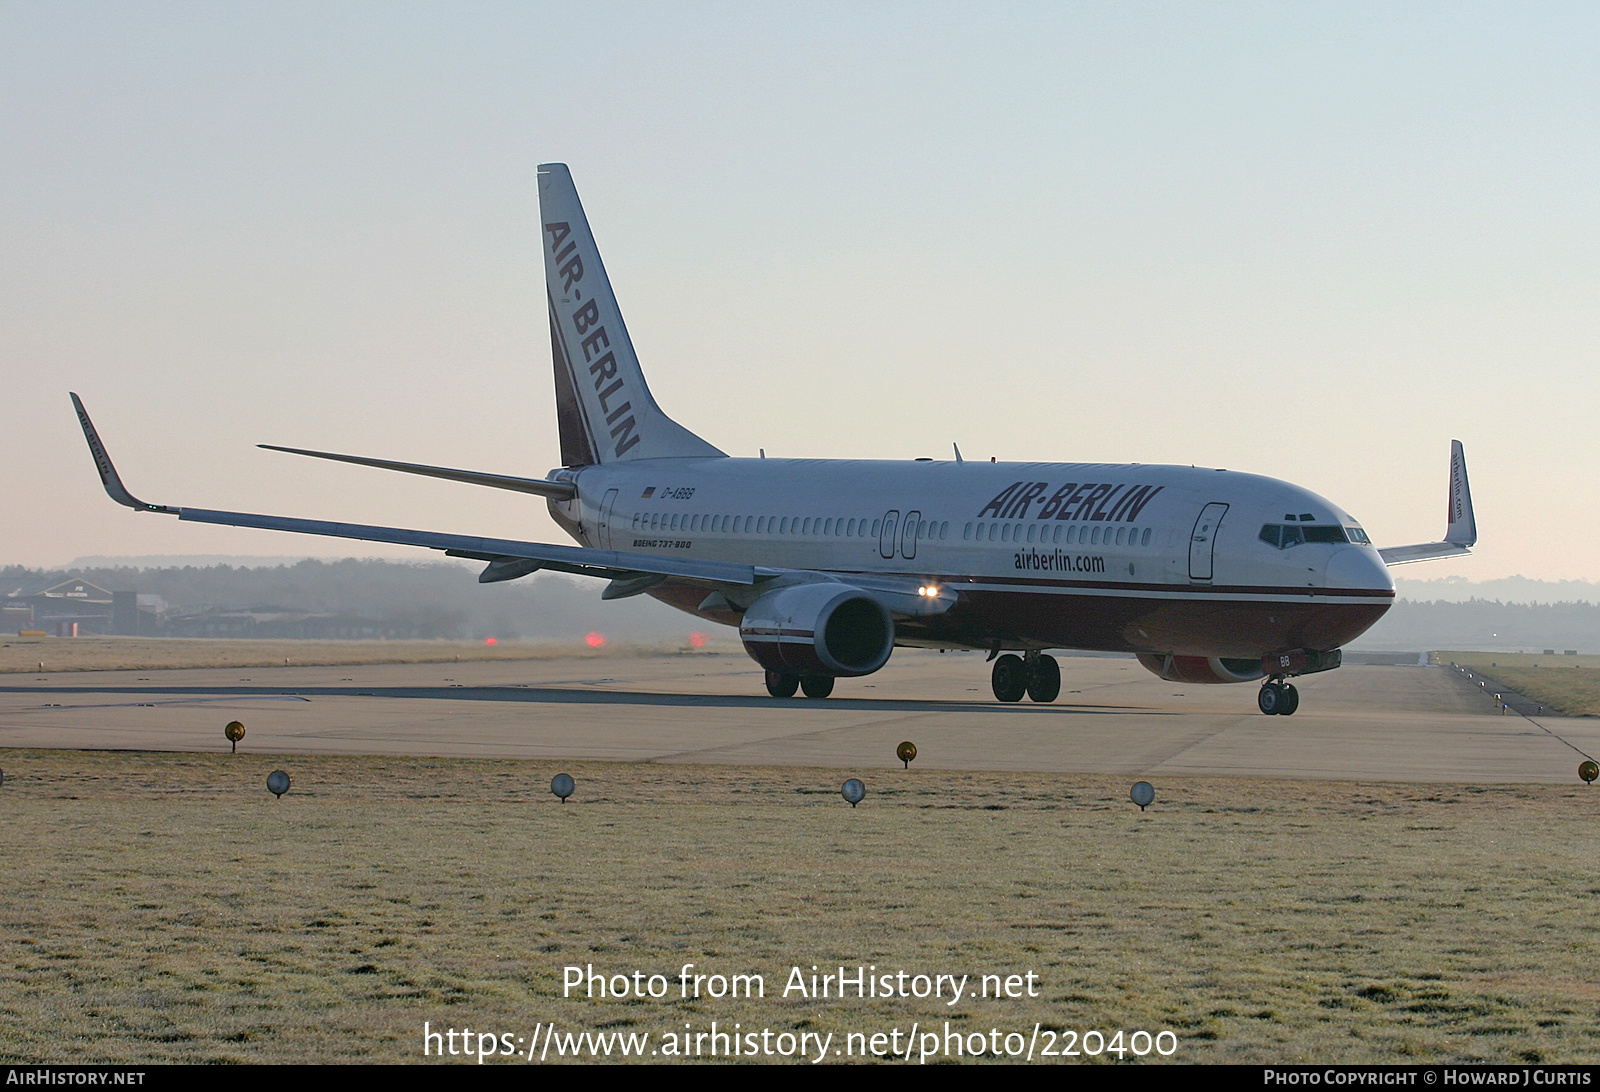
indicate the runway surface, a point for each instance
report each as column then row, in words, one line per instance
column 1401, row 723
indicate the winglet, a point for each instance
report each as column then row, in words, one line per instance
column 1462, row 528
column 108, row 473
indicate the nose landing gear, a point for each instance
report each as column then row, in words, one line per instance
column 1278, row 698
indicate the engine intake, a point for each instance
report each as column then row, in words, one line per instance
column 818, row 629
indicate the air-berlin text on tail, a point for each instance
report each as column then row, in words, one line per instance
column 1075, row 500
column 594, row 339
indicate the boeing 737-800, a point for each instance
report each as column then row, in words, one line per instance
column 824, row 566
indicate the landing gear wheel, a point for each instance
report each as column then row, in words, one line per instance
column 816, row 686
column 781, row 684
column 1009, row 678
column 1273, row 699
column 1291, row 700
column 1044, row 678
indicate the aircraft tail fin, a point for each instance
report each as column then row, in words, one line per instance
column 604, row 409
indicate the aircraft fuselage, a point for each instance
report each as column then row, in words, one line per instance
column 1125, row 558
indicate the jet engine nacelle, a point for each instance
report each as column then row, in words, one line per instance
column 818, row 629
column 1202, row 669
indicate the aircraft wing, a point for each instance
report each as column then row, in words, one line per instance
column 1461, row 527
column 1423, row 551
column 508, row 558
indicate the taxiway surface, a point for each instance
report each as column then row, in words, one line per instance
column 1360, row 722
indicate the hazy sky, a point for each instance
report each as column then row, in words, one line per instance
column 1310, row 241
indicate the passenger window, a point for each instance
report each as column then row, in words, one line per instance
column 1122, row 536
column 1144, row 540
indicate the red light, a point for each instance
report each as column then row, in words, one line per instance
column 697, row 640
column 595, row 640
column 488, row 640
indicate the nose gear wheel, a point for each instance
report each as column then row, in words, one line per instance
column 1278, row 699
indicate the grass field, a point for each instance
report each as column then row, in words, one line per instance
column 164, row 907
column 1570, row 684
column 25, row 654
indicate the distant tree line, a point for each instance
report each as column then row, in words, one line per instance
column 432, row 600
column 1486, row 624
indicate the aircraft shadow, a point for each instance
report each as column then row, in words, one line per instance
column 574, row 696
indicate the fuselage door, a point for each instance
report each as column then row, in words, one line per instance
column 908, row 541
column 1204, row 540
column 603, row 528
column 891, row 520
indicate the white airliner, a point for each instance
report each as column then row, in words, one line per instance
column 826, row 565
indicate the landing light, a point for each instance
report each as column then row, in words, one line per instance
column 929, row 590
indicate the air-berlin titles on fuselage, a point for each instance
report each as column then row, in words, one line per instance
column 586, row 320
column 1074, row 501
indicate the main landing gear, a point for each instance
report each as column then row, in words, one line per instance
column 1036, row 675
column 1278, row 698
column 781, row 684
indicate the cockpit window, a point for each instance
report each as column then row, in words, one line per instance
column 1356, row 534
column 1285, row 535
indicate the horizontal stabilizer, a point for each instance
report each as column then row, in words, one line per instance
column 538, row 486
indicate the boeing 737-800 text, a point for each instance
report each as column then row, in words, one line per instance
column 826, row 565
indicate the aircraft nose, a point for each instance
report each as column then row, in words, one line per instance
column 1355, row 567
